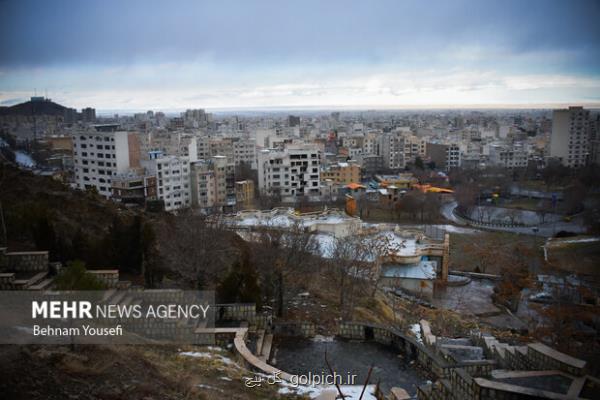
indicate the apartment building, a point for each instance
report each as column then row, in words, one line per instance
column 437, row 153
column 293, row 171
column 203, row 185
column 133, row 187
column 222, row 147
column 371, row 143
column 453, row 156
column 244, row 193
column 370, row 164
column 342, row 173
column 225, row 181
column 414, row 147
column 172, row 178
column 569, row 142
column 174, row 143
column 392, row 149
column 99, row 155
column 244, row 151
column 508, row 156
column 213, row 184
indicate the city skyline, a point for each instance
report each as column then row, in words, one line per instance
column 240, row 56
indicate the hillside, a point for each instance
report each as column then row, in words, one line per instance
column 29, row 108
column 28, row 199
column 125, row 372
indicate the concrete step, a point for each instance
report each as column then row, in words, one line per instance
column 137, row 302
column 489, row 341
column 397, row 393
column 43, row 285
column 259, row 341
column 455, row 341
column 127, row 301
column 500, row 350
column 26, row 283
column 108, row 295
column 118, row 297
column 266, row 347
column 521, row 350
column 576, row 387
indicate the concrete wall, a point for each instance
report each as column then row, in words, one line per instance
column 303, row 329
column 240, row 312
column 404, row 344
column 27, row 261
column 109, row 277
column 7, row 281
column 546, row 358
column 421, row 288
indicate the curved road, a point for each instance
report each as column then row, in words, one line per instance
column 546, row 230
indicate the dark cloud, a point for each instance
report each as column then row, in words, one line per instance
column 38, row 33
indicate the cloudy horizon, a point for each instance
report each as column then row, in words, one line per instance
column 140, row 55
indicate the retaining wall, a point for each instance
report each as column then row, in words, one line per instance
column 27, row 261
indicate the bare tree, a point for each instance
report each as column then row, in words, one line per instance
column 281, row 253
column 199, row 248
column 351, row 260
column 513, row 215
column 466, row 197
column 542, row 210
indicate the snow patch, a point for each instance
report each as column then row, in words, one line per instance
column 416, row 330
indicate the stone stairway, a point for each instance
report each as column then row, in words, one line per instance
column 266, row 347
column 42, row 285
column 508, row 356
column 264, row 342
column 29, row 283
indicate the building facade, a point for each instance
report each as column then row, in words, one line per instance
column 294, row 171
column 100, row 155
column 569, row 142
column 342, row 173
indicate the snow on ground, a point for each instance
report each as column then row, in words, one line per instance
column 393, row 243
column 324, row 339
column 400, row 246
column 422, row 270
column 280, row 221
column 200, row 354
column 456, row 229
column 287, row 220
column 326, row 242
column 24, row 159
column 575, row 240
column 203, row 386
column 416, row 330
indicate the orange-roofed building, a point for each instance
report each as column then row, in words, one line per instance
column 355, row 186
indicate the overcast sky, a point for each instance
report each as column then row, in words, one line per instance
column 147, row 54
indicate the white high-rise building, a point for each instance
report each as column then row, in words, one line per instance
column 293, row 171
column 172, row 176
column 99, row 155
column 172, row 179
column 569, row 142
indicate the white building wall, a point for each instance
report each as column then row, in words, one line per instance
column 99, row 156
